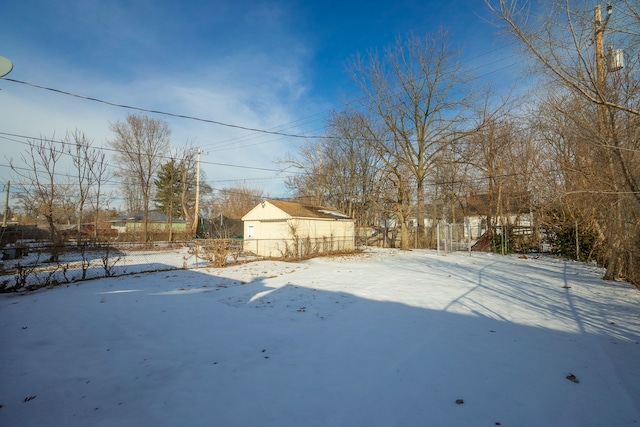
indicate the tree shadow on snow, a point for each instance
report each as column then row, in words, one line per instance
column 200, row 349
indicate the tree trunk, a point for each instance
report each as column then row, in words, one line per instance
column 420, row 214
column 404, row 236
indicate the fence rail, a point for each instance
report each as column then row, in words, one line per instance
column 32, row 266
column 37, row 265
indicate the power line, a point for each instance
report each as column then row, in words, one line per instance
column 363, row 100
column 121, row 151
column 181, row 116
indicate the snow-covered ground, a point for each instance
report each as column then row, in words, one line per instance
column 384, row 338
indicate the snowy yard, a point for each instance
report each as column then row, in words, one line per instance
column 385, row 338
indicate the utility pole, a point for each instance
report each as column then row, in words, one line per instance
column 605, row 130
column 6, row 205
column 195, row 216
column 599, row 46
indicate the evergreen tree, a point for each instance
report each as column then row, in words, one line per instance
column 168, row 184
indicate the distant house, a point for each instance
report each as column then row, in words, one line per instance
column 157, row 223
column 287, row 229
column 516, row 214
column 87, row 231
column 71, row 230
column 516, row 221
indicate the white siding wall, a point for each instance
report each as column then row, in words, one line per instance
column 477, row 228
column 265, row 211
column 277, row 238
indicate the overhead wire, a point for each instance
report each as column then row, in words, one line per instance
column 254, row 130
column 164, row 113
column 361, row 102
column 226, row 144
column 4, row 135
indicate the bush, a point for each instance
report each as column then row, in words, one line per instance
column 562, row 238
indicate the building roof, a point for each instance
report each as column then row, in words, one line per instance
column 513, row 203
column 153, row 217
column 298, row 210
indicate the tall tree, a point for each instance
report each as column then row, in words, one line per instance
column 176, row 184
column 493, row 153
column 355, row 165
column 450, row 184
column 86, row 160
column 338, row 171
column 100, row 173
column 394, row 196
column 420, row 94
column 566, row 43
column 168, row 184
column 235, row 202
column 141, row 143
column 187, row 158
column 44, row 189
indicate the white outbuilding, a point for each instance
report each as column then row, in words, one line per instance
column 286, row 229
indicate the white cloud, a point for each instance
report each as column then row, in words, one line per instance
column 253, row 90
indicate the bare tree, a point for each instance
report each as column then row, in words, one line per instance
column 187, row 158
column 393, row 200
column 309, row 183
column 85, row 159
column 99, row 170
column 563, row 40
column 43, row 188
column 591, row 189
column 419, row 93
column 566, row 42
column 339, row 170
column 130, row 190
column 235, row 202
column 354, row 165
column 141, row 142
column 451, row 183
column 563, row 203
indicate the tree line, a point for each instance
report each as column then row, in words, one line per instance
column 426, row 142
column 152, row 175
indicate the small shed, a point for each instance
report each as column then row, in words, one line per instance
column 286, row 229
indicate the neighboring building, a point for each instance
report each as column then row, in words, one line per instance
column 87, row 231
column 157, row 223
column 517, row 215
column 12, row 221
column 516, row 222
column 287, row 229
column 221, row 227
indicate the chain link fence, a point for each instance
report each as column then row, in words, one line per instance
column 445, row 238
column 298, row 247
column 453, row 237
column 36, row 265
column 30, row 266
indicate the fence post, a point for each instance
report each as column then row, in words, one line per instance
column 469, row 235
column 445, row 239
column 196, row 253
column 577, row 243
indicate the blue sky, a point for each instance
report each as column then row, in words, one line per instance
column 276, row 65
